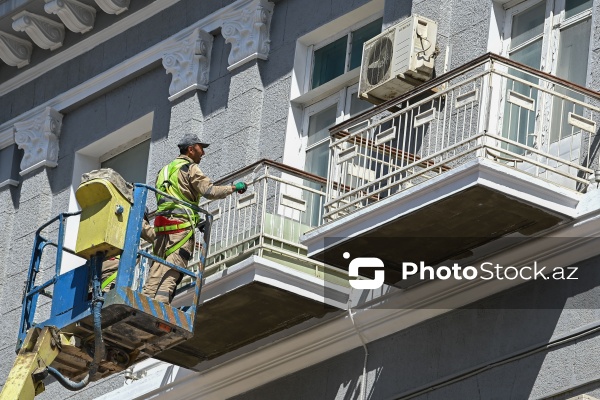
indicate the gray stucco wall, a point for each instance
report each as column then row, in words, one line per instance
column 244, row 116
column 487, row 348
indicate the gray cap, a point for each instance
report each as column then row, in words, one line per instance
column 189, row 139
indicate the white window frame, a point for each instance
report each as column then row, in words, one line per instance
column 90, row 158
column 348, row 34
column 343, row 100
column 554, row 22
column 301, row 98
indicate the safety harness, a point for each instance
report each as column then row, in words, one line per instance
column 168, row 182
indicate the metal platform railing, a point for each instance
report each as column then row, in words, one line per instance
column 280, row 205
column 491, row 108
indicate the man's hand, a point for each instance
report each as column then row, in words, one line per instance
column 240, row 187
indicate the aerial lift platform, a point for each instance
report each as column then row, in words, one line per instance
column 90, row 335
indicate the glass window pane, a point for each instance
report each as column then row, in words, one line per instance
column 319, row 122
column 573, row 50
column 329, row 62
column 358, row 105
column 131, row 164
column 573, row 7
column 518, row 122
column 528, row 24
column 529, row 55
column 317, row 159
column 359, row 37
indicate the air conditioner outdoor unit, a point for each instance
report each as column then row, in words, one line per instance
column 398, row 59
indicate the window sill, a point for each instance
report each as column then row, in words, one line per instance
column 329, row 88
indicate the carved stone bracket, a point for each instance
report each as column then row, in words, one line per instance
column 189, row 62
column 78, row 17
column 113, row 6
column 248, row 32
column 46, row 33
column 14, row 51
column 38, row 137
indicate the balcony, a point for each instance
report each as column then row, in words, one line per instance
column 259, row 280
column 492, row 149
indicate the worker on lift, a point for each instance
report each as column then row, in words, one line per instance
column 174, row 223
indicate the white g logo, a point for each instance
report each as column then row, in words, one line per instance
column 365, row 262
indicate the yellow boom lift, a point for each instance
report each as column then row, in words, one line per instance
column 90, row 335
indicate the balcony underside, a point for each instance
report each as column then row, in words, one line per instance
column 445, row 219
column 248, row 302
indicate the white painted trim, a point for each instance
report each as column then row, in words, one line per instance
column 9, row 182
column 337, row 336
column 251, row 57
column 40, row 164
column 188, row 89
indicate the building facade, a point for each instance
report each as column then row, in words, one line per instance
column 493, row 159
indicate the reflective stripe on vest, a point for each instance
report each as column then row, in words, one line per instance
column 167, row 181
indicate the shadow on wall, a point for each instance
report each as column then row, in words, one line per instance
column 493, row 348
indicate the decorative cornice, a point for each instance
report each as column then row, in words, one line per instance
column 189, row 61
column 44, row 32
column 115, row 74
column 113, row 6
column 84, row 45
column 38, row 137
column 248, row 33
column 14, row 51
column 78, row 17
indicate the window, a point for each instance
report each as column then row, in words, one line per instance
column 552, row 36
column 342, row 55
column 131, row 163
column 318, row 118
column 126, row 151
column 322, row 116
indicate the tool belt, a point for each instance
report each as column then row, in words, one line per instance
column 167, row 226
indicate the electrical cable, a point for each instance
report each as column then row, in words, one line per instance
column 364, row 344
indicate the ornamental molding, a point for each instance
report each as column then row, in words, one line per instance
column 113, row 6
column 189, row 62
column 44, row 32
column 248, row 32
column 38, row 137
column 15, row 51
column 76, row 16
column 115, row 74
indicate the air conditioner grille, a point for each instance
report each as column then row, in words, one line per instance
column 395, row 61
column 379, row 61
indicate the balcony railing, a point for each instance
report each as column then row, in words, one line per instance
column 490, row 108
column 280, row 205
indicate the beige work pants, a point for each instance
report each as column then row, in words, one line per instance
column 109, row 266
column 162, row 280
